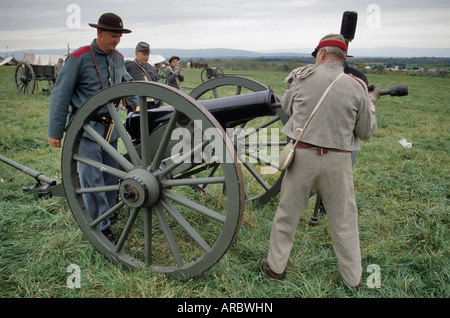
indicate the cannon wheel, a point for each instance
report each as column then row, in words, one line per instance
column 25, row 78
column 162, row 223
column 161, row 75
column 262, row 180
column 210, row 73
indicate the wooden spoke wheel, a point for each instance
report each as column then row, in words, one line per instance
column 258, row 147
column 162, row 221
column 161, row 75
column 211, row 73
column 25, row 78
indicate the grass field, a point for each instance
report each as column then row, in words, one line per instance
column 402, row 195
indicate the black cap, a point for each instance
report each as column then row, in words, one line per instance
column 143, row 47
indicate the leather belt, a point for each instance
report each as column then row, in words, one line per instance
column 102, row 119
column 320, row 150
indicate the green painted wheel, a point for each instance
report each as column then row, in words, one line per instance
column 262, row 179
column 162, row 221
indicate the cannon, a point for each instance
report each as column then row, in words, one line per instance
column 176, row 212
column 209, row 73
column 249, row 106
column 397, row 90
column 184, row 171
column 186, row 196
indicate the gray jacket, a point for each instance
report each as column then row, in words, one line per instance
column 174, row 76
column 343, row 118
column 140, row 72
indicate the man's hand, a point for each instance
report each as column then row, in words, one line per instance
column 54, row 142
column 374, row 93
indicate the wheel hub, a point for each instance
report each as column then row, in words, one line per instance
column 141, row 188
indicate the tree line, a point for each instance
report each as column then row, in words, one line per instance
column 416, row 66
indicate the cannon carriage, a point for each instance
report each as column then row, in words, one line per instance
column 177, row 211
column 181, row 189
column 185, row 171
column 213, row 72
column 210, row 73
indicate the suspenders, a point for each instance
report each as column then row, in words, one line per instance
column 109, row 120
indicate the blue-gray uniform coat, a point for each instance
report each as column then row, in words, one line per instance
column 78, row 80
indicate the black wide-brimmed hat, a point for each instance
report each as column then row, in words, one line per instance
column 110, row 22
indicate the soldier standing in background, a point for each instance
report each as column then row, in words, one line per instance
column 174, row 73
column 141, row 70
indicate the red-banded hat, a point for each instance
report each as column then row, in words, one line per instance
column 335, row 40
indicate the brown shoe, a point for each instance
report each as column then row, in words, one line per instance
column 269, row 272
column 359, row 285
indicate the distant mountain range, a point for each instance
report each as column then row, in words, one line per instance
column 223, row 53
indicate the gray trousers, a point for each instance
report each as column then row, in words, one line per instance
column 331, row 176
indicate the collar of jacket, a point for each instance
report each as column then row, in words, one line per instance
column 139, row 63
column 97, row 50
column 332, row 64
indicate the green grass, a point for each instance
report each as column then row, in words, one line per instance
column 402, row 195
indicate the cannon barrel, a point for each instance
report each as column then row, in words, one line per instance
column 398, row 90
column 35, row 174
column 228, row 111
column 50, row 188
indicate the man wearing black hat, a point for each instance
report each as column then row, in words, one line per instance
column 174, row 73
column 342, row 115
column 141, row 70
column 85, row 72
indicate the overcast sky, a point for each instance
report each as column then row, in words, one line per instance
column 255, row 25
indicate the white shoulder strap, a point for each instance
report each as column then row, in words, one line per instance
column 317, row 106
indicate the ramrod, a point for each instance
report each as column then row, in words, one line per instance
column 228, row 111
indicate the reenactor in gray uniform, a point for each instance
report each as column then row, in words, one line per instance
column 322, row 163
column 174, row 73
column 141, row 70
